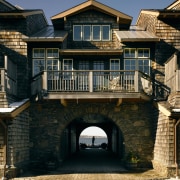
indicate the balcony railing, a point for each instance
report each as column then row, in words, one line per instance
column 92, row 81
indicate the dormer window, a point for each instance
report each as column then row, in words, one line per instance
column 91, row 33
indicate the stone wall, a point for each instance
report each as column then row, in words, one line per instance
column 2, row 146
column 50, row 126
column 18, row 141
column 164, row 145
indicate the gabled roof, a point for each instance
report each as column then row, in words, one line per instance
column 92, row 4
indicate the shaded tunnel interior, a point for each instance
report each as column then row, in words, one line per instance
column 71, row 136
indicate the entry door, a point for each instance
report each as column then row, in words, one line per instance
column 98, row 77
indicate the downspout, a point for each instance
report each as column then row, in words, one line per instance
column 175, row 147
column 5, row 147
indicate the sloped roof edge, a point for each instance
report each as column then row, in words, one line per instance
column 23, row 13
column 8, row 4
column 163, row 13
column 88, row 4
column 171, row 6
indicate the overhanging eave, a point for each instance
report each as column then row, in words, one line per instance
column 12, row 112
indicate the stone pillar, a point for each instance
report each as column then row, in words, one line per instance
column 163, row 160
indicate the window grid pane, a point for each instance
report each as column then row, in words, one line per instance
column 129, row 53
column 38, row 66
column 144, row 53
column 96, row 33
column 52, row 53
column 87, row 33
column 38, row 53
column 105, row 33
column 77, row 30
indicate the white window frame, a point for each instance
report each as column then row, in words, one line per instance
column 68, row 73
column 114, row 74
column 94, row 39
column 130, row 49
column 44, row 58
column 74, row 33
column 91, row 38
column 136, row 58
column 103, row 32
column 54, row 57
column 114, row 59
column 84, row 32
column 144, row 57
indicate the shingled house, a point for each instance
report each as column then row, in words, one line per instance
column 90, row 67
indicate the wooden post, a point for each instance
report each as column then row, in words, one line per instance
column 2, row 80
column 177, row 80
column 90, row 81
column 136, row 81
column 44, row 81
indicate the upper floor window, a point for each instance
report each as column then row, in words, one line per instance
column 137, row 59
column 91, row 33
column 45, row 59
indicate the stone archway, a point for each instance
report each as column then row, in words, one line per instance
column 57, row 126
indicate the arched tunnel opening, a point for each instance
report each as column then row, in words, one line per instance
column 93, row 137
column 106, row 153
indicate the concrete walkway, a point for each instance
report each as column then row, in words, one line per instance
column 93, row 164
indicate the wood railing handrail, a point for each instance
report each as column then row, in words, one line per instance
column 141, row 81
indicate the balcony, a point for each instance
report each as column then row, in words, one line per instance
column 94, row 84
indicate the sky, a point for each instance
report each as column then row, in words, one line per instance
column 129, row 7
column 93, row 131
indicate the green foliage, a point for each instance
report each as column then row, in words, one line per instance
column 132, row 157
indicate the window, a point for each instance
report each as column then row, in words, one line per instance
column 68, row 66
column 129, row 53
column 96, row 33
column 86, row 33
column 38, row 60
column 77, row 30
column 115, row 66
column 45, row 59
column 38, row 53
column 91, row 33
column 137, row 59
column 105, row 33
column 143, row 53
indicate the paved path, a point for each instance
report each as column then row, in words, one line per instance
column 93, row 164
